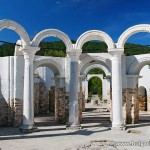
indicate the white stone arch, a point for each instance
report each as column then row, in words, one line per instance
column 107, row 72
column 100, row 61
column 137, row 65
column 54, row 33
column 130, row 31
column 9, row 24
column 51, row 64
column 94, row 35
column 100, row 76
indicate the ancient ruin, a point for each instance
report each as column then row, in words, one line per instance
column 32, row 85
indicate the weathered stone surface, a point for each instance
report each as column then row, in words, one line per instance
column 124, row 104
column 11, row 112
column 142, row 102
column 148, row 103
column 67, row 106
column 132, row 106
column 52, row 99
column 60, row 104
column 41, row 99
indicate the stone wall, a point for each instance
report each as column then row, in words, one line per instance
column 67, row 107
column 124, row 104
column 132, row 106
column 142, row 103
column 60, row 103
column 11, row 113
column 41, row 99
column 148, row 103
column 52, row 99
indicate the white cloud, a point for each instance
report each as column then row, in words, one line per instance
column 58, row 2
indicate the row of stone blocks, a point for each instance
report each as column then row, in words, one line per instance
column 11, row 112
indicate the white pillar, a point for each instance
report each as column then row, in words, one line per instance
column 86, row 89
column 117, row 112
column 73, row 90
column 28, row 104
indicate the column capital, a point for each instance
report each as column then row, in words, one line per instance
column 74, row 54
column 116, row 51
column 29, row 52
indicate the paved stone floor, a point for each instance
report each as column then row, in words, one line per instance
column 95, row 135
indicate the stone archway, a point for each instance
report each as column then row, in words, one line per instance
column 94, row 35
column 14, row 100
column 9, row 24
column 57, row 92
column 54, row 33
column 131, row 31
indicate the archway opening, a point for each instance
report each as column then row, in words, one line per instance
column 94, row 46
column 143, row 94
column 95, row 87
column 7, row 44
column 9, row 94
column 137, row 44
column 44, row 96
column 96, row 109
column 136, row 85
column 52, row 46
column 45, row 92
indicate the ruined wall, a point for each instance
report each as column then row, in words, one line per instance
column 142, row 102
column 41, row 99
column 60, row 105
column 131, row 105
column 52, row 99
column 11, row 90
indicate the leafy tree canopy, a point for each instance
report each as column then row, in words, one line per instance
column 58, row 49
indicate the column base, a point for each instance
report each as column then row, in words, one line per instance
column 28, row 128
column 118, row 127
column 70, row 126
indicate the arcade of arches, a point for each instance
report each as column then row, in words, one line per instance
column 22, row 89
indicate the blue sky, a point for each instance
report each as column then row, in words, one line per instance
column 77, row 16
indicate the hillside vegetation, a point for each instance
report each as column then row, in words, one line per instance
column 58, row 49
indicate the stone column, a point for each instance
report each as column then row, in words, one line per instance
column 117, row 114
column 73, row 90
column 28, row 105
column 86, row 89
column 80, row 98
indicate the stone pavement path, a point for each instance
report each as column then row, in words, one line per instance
column 95, row 135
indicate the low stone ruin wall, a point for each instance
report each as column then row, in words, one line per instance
column 11, row 112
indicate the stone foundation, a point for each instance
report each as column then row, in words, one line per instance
column 132, row 106
column 80, row 99
column 124, row 104
column 67, row 107
column 60, row 103
column 142, row 103
column 41, row 99
column 83, row 102
column 52, row 99
column 11, row 113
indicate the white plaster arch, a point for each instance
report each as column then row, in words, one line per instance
column 54, row 33
column 95, row 60
column 130, row 31
column 9, row 24
column 94, row 35
column 100, row 76
column 51, row 64
column 138, row 64
column 96, row 66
